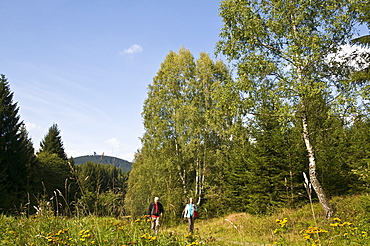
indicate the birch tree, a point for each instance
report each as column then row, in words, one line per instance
column 288, row 43
column 180, row 140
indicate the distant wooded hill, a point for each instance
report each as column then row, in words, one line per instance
column 126, row 166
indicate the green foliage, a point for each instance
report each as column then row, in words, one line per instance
column 281, row 52
column 102, row 189
column 53, row 143
column 52, row 173
column 358, row 152
column 16, row 151
column 179, row 155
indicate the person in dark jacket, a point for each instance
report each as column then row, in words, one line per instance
column 155, row 211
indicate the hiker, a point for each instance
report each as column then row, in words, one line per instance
column 155, row 211
column 190, row 213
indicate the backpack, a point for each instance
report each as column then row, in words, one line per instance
column 196, row 214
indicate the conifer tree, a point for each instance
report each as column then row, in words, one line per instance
column 53, row 143
column 52, row 164
column 16, row 150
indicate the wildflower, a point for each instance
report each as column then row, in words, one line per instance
column 282, row 222
column 346, row 223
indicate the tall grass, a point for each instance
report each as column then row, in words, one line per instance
column 350, row 226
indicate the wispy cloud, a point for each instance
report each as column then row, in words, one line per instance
column 135, row 48
column 32, row 126
column 128, row 156
column 113, row 142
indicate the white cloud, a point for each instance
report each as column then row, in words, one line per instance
column 113, row 142
column 135, row 48
column 74, row 153
column 128, row 156
column 346, row 51
column 32, row 126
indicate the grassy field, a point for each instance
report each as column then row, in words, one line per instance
column 349, row 226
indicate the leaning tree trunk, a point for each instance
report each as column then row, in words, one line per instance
column 312, row 171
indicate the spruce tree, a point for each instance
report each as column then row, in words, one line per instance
column 52, row 142
column 16, row 151
column 52, row 163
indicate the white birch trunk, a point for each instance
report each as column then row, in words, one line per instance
column 312, row 171
column 182, row 172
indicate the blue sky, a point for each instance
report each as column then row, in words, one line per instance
column 85, row 65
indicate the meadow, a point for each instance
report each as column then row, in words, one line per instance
column 304, row 226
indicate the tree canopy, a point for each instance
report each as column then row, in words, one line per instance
column 287, row 46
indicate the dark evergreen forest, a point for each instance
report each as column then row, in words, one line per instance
column 126, row 166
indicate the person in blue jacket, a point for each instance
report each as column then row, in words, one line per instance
column 190, row 213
